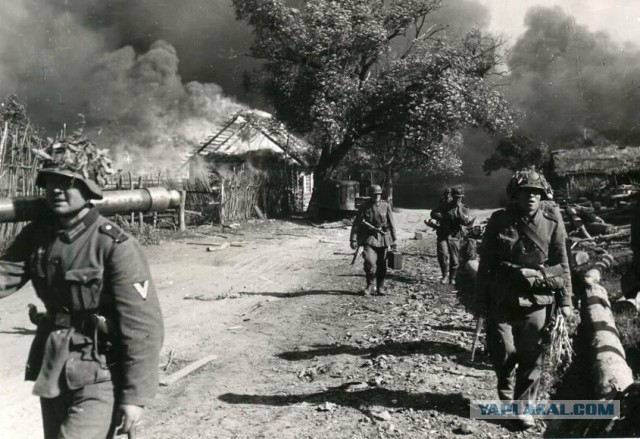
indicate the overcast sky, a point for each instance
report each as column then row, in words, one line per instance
column 620, row 18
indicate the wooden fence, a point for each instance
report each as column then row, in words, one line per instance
column 17, row 166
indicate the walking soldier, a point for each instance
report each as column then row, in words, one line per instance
column 452, row 218
column 374, row 230
column 95, row 355
column 442, row 244
column 523, row 274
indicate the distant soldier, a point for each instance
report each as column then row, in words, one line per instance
column 95, row 355
column 523, row 275
column 454, row 219
column 442, row 241
column 374, row 230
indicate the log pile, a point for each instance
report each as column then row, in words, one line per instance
column 612, row 373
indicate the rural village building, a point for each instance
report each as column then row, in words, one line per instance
column 596, row 166
column 274, row 162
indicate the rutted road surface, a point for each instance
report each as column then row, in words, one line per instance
column 300, row 354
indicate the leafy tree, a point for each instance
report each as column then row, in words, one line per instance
column 518, row 152
column 347, row 73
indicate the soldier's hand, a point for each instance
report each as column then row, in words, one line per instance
column 394, row 247
column 566, row 311
column 128, row 417
column 530, row 272
column 353, row 244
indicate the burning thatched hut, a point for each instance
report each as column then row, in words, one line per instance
column 592, row 168
column 255, row 154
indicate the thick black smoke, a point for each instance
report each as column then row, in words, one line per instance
column 571, row 82
column 134, row 102
column 130, row 66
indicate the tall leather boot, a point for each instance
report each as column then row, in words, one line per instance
column 369, row 288
column 452, row 276
column 380, row 291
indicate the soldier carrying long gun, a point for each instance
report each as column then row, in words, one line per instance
column 95, row 354
column 374, row 230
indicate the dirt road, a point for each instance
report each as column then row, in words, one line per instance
column 300, row 355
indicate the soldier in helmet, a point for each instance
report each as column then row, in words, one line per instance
column 442, row 237
column 523, row 275
column 452, row 218
column 95, row 355
column 374, row 230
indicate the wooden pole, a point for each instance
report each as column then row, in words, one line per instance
column 222, row 201
column 140, row 214
column 183, row 202
column 133, row 215
column 612, row 373
column 187, row 370
column 2, row 142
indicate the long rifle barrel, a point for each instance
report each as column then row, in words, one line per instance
column 151, row 199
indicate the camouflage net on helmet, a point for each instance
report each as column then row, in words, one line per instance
column 529, row 178
column 79, row 155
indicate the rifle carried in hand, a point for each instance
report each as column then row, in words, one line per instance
column 355, row 255
column 374, row 228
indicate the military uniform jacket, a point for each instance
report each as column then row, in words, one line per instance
column 379, row 216
column 454, row 217
column 438, row 214
column 88, row 270
column 506, row 246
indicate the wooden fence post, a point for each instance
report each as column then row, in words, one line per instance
column 140, row 214
column 221, row 201
column 133, row 215
column 183, row 202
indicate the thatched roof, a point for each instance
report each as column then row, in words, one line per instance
column 248, row 131
column 603, row 160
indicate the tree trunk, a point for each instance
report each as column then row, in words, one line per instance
column 389, row 185
column 329, row 160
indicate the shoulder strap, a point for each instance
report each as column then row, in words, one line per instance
column 532, row 235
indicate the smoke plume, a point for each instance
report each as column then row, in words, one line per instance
column 572, row 83
column 66, row 58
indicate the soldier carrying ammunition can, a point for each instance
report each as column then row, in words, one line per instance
column 95, row 355
column 374, row 230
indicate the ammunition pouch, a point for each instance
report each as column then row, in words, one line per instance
column 536, row 287
column 92, row 325
column 553, row 277
column 82, row 322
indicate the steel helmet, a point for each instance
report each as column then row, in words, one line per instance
column 78, row 158
column 375, row 189
column 457, row 191
column 528, row 178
